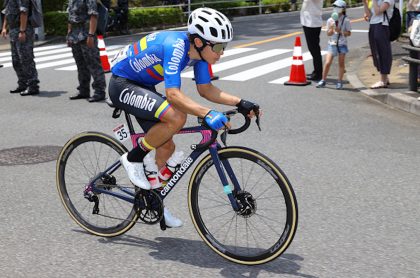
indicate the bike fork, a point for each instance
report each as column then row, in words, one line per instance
column 227, row 188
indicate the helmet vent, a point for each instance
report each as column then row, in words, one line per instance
column 218, row 21
column 213, row 31
column 200, row 28
column 229, row 32
column 221, row 16
column 203, row 19
column 205, row 11
column 223, row 34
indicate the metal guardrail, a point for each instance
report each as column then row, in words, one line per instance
column 414, row 63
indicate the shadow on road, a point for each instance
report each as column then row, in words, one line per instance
column 196, row 253
column 51, row 94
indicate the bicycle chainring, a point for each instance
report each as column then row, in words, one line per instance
column 149, row 206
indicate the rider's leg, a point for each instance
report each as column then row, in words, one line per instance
column 164, row 152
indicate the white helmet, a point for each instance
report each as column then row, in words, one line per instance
column 339, row 4
column 211, row 25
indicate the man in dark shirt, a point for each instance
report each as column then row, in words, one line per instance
column 83, row 17
column 21, row 35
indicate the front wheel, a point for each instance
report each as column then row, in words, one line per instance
column 266, row 223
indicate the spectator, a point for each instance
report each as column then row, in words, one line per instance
column 293, row 5
column 123, row 5
column 380, row 45
column 311, row 20
column 22, row 45
column 413, row 9
column 83, row 16
column 106, row 3
column 338, row 29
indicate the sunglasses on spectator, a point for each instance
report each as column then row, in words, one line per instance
column 217, row 47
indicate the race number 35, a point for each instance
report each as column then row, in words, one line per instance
column 121, row 132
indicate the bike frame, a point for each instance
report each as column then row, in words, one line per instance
column 129, row 195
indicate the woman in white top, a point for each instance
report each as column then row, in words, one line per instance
column 379, row 38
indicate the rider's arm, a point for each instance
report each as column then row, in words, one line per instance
column 214, row 94
column 185, row 104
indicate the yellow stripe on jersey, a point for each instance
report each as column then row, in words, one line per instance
column 143, row 43
column 159, row 69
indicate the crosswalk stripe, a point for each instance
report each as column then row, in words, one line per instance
column 235, row 51
column 55, row 51
column 280, row 80
column 64, row 62
column 265, row 69
column 241, row 61
column 60, row 62
column 38, row 49
column 69, row 68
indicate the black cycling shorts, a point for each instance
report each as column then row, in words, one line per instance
column 143, row 102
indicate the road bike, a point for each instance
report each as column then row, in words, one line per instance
column 240, row 202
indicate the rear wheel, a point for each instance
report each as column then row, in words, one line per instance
column 81, row 159
column 266, row 223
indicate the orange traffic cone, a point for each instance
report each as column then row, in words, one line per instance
column 211, row 74
column 104, row 56
column 297, row 70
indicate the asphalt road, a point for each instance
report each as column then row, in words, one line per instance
column 353, row 162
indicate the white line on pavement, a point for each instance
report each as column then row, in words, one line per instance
column 241, row 61
column 264, row 69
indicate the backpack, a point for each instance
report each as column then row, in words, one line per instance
column 35, row 16
column 102, row 18
column 394, row 24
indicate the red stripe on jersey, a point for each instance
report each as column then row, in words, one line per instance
column 153, row 75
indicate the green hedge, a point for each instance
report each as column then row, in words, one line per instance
column 277, row 5
column 151, row 17
column 56, row 22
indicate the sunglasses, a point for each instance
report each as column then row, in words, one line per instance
column 217, row 47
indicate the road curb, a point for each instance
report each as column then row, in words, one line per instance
column 405, row 101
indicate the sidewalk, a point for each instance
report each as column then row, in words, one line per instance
column 362, row 74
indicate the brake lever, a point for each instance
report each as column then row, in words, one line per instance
column 257, row 116
column 223, row 136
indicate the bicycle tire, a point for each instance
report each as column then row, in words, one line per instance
column 71, row 183
column 206, row 217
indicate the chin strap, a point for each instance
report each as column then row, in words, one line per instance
column 199, row 49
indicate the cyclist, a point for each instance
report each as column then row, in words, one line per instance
column 161, row 56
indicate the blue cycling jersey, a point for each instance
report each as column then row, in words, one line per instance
column 158, row 57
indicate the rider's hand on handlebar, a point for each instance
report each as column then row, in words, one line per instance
column 248, row 108
column 216, row 120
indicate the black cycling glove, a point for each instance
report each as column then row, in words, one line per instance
column 245, row 106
